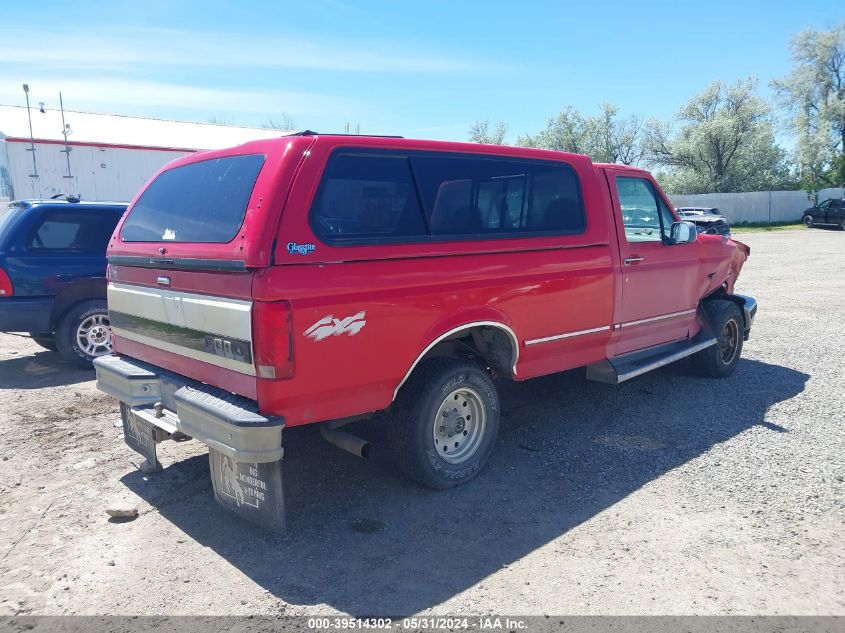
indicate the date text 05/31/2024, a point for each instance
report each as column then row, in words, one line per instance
column 486, row 623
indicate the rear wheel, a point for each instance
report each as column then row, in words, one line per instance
column 720, row 360
column 84, row 333
column 47, row 341
column 807, row 220
column 445, row 421
column 842, row 226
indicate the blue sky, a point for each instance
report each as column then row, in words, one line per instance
column 421, row 69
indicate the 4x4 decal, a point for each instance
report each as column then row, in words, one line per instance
column 329, row 326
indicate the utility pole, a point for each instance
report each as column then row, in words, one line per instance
column 66, row 131
column 34, row 174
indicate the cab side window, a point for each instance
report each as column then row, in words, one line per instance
column 666, row 214
column 644, row 214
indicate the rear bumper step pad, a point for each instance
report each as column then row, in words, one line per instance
column 245, row 447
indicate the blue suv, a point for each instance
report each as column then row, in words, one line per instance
column 53, row 274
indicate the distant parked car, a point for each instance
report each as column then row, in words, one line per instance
column 831, row 212
column 706, row 219
column 53, row 274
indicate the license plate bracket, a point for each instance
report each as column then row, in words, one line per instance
column 140, row 436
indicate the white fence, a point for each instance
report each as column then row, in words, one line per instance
column 756, row 206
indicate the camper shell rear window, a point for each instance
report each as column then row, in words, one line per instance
column 201, row 202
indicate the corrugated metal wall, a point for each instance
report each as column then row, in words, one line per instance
column 5, row 173
column 756, row 206
column 99, row 173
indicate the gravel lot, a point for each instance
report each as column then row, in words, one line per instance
column 669, row 494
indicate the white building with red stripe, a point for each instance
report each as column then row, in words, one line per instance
column 111, row 156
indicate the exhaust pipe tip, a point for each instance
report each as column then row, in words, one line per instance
column 367, row 449
column 348, row 442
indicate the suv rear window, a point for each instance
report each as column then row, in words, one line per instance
column 201, row 202
column 374, row 197
column 76, row 232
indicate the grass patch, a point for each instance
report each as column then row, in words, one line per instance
column 762, row 228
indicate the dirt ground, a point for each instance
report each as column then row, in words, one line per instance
column 669, row 494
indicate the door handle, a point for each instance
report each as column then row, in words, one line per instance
column 632, row 260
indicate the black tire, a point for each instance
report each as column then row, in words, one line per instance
column 47, row 341
column 807, row 220
column 419, row 449
column 67, row 334
column 842, row 226
column 720, row 360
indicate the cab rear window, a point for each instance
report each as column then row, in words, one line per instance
column 202, row 202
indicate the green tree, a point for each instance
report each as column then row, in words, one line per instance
column 814, row 95
column 606, row 138
column 480, row 132
column 721, row 140
column 565, row 132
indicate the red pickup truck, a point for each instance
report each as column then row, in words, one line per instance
column 321, row 278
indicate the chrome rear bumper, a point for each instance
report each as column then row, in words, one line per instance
column 245, row 447
column 225, row 422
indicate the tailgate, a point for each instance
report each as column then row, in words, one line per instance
column 198, row 324
column 215, row 330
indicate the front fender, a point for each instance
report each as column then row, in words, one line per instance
column 740, row 255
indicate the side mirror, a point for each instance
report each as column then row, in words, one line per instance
column 683, row 233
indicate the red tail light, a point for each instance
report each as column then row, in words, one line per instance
column 272, row 339
column 6, row 289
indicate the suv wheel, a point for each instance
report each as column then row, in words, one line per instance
column 720, row 360
column 47, row 341
column 84, row 333
column 842, row 226
column 807, row 220
column 445, row 421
